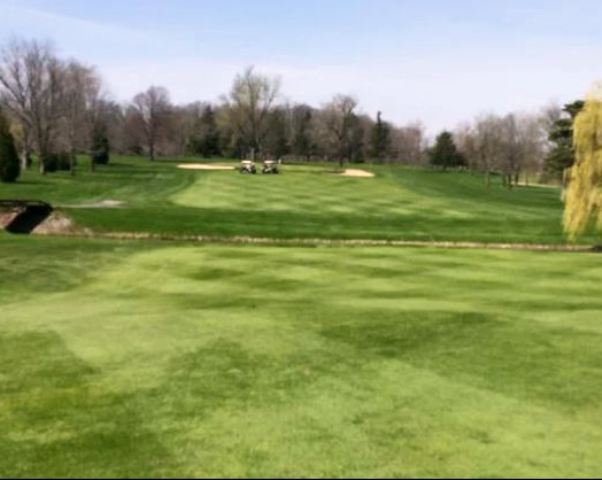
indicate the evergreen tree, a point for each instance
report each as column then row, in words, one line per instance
column 206, row 138
column 100, row 154
column 10, row 167
column 276, row 141
column 562, row 155
column 356, row 142
column 380, row 139
column 445, row 154
column 302, row 144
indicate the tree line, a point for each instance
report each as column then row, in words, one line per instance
column 250, row 121
column 58, row 108
column 512, row 146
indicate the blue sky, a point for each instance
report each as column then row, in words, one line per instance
column 437, row 61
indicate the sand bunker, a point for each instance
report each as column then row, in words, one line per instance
column 354, row 172
column 7, row 217
column 204, row 166
column 56, row 224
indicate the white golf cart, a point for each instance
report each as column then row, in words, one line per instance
column 248, row 167
column 270, row 166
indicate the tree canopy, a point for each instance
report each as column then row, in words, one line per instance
column 380, row 139
column 205, row 137
column 562, row 156
column 444, row 153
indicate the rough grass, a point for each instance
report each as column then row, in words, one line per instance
column 147, row 359
column 303, row 202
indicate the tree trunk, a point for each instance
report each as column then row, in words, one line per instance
column 72, row 162
column 42, row 160
column 43, row 142
column 25, row 158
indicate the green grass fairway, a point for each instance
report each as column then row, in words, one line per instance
column 304, row 202
column 161, row 359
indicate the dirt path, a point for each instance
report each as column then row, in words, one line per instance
column 315, row 242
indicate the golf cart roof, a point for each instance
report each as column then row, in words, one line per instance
column 269, row 161
column 246, row 162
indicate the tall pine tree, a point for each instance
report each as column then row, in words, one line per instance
column 445, row 154
column 562, row 156
column 380, row 139
column 206, row 138
column 302, row 144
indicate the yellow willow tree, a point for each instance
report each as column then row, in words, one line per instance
column 583, row 196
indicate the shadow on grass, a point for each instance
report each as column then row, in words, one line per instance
column 87, row 431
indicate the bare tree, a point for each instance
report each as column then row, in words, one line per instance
column 338, row 118
column 31, row 90
column 151, row 111
column 248, row 106
column 511, row 145
column 408, row 144
column 550, row 114
column 488, row 144
column 81, row 87
column 521, row 146
column 534, row 142
column 465, row 139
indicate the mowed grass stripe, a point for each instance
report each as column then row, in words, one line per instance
column 266, row 361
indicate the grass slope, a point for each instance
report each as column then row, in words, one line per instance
column 304, row 202
column 140, row 359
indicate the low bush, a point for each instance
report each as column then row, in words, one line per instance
column 55, row 162
column 10, row 167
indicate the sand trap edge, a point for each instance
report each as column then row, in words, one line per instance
column 355, row 172
column 204, row 166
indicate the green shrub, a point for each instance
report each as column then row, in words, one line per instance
column 57, row 162
column 10, row 168
column 100, row 151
